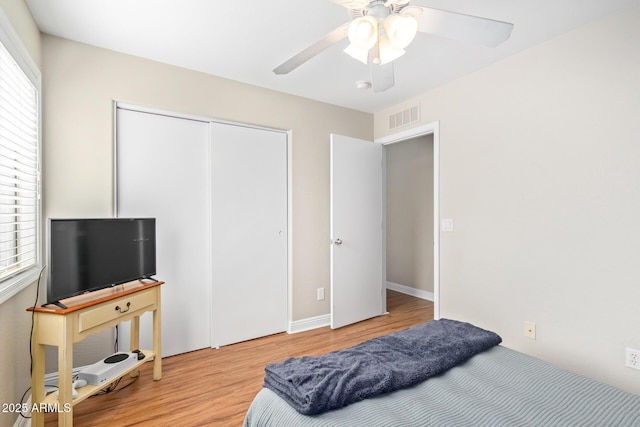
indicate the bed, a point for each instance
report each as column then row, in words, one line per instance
column 495, row 387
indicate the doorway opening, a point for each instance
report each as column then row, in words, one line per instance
column 409, row 217
column 419, row 137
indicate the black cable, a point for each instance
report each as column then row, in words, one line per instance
column 128, row 384
column 33, row 314
column 22, row 400
column 113, row 388
column 115, row 344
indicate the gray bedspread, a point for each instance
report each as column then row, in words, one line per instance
column 499, row 387
column 316, row 384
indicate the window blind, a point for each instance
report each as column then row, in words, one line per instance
column 18, row 168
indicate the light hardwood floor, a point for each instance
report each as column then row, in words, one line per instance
column 215, row 387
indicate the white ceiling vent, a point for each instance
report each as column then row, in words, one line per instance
column 404, row 117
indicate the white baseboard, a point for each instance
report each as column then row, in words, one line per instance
column 309, row 323
column 325, row 319
column 418, row 293
column 24, row 422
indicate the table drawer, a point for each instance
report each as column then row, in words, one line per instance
column 112, row 310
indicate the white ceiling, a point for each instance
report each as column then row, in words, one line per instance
column 245, row 40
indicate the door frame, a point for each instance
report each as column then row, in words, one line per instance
column 428, row 129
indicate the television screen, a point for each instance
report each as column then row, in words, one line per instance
column 91, row 254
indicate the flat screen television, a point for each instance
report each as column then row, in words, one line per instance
column 85, row 255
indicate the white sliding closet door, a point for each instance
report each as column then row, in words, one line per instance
column 163, row 172
column 249, row 232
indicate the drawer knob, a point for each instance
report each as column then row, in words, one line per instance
column 118, row 308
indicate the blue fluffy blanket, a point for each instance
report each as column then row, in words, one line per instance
column 315, row 384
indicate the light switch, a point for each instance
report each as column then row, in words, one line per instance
column 447, row 224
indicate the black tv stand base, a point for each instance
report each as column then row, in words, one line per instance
column 57, row 303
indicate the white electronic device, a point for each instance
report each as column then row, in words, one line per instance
column 75, row 385
column 101, row 371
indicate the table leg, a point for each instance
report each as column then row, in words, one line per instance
column 37, row 380
column 157, row 342
column 65, row 374
column 134, row 341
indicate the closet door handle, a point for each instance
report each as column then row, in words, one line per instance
column 337, row 242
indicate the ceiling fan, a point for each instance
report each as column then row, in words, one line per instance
column 380, row 30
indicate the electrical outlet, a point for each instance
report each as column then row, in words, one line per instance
column 320, row 294
column 530, row 330
column 633, row 358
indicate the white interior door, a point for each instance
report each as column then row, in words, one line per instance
column 163, row 172
column 357, row 261
column 249, row 233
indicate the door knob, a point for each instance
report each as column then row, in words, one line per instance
column 337, row 242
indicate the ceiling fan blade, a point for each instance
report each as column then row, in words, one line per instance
column 382, row 77
column 311, row 51
column 459, row 26
column 352, row 4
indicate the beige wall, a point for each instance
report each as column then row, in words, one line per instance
column 540, row 171
column 15, row 322
column 23, row 24
column 15, row 327
column 80, row 84
column 410, row 213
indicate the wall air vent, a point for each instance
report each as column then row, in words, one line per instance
column 404, row 117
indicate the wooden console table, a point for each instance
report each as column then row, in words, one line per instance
column 85, row 315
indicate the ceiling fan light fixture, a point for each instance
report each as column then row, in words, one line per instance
column 363, row 32
column 400, row 30
column 387, row 52
column 358, row 53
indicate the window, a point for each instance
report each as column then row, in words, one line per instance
column 19, row 165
